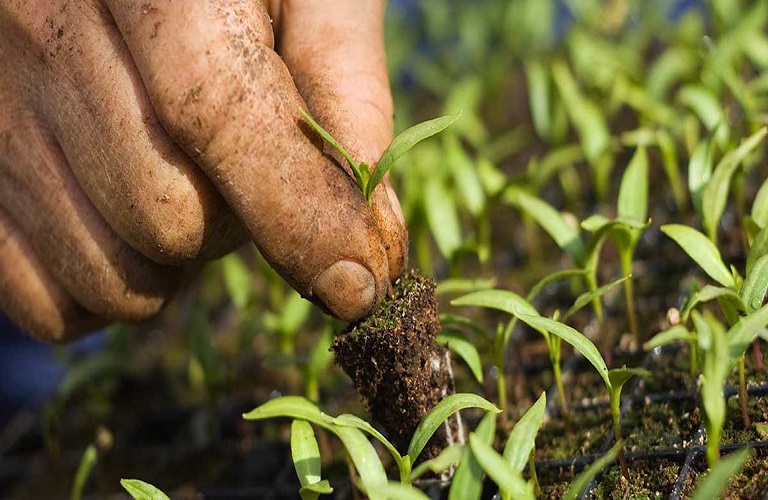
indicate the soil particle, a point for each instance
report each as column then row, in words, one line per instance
column 395, row 363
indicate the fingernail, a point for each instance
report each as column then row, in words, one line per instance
column 347, row 289
column 394, row 202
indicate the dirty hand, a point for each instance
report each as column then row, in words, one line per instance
column 139, row 138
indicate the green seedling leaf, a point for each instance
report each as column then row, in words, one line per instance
column 439, row 414
column 458, row 285
column 295, row 407
column 699, row 172
column 84, row 469
column 633, row 193
column 556, row 276
column 714, row 482
column 671, row 335
column 305, row 453
column 707, row 107
column 710, row 292
column 356, row 170
column 618, row 377
column 671, row 166
column 468, row 479
column 363, row 456
column 755, row 285
column 522, row 438
column 501, row 300
column 140, row 490
column 314, row 490
column 758, row 249
column 716, row 191
column 396, row 491
column 539, row 95
column 465, row 349
column 442, row 217
column 294, row 313
column 578, row 340
column 586, row 298
column 741, row 335
column 510, row 483
column 237, row 280
column 599, row 224
column 466, row 180
column 565, row 235
column 583, row 479
column 713, row 345
column 404, row 142
column 702, row 251
column 760, row 206
column 349, row 420
column 448, row 457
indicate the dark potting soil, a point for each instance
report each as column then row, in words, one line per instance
column 749, row 483
column 588, row 431
column 396, row 364
column 660, row 425
column 734, row 430
column 669, row 372
column 648, row 479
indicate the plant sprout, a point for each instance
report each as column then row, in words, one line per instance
column 367, row 179
column 714, row 482
column 84, row 469
column 139, row 490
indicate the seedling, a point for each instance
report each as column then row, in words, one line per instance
column 368, row 178
column 139, row 490
column 714, row 482
column 84, row 469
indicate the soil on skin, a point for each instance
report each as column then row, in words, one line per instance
column 648, row 479
column 396, row 364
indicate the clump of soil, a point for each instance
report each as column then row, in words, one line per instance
column 396, row 364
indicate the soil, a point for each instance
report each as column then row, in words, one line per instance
column 750, row 483
column 671, row 424
column 396, row 364
column 734, row 431
column 589, row 429
column 649, row 479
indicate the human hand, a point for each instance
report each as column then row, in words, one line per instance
column 140, row 138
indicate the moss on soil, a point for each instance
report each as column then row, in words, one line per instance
column 395, row 362
column 648, row 479
column 589, row 430
column 734, row 431
column 660, row 425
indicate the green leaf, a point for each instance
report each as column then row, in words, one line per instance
column 539, row 95
column 466, row 180
column 760, row 206
column 702, row 251
column 363, row 456
column 459, row 285
column 755, row 285
column 714, row 482
column 84, row 469
column 314, row 490
column 716, row 191
column 404, row 142
column 465, row 349
column 501, row 300
column 583, row 479
column 442, row 217
column 741, row 335
column 758, row 249
column 677, row 333
column 359, row 175
column 509, row 481
column 633, row 193
column 556, row 276
column 396, row 491
column 699, row 172
column 350, row 420
column 587, row 297
column 620, row 376
column 237, row 280
column 578, row 340
column 295, row 407
column 140, row 490
column 566, row 236
column 705, row 104
column 710, row 292
column 295, row 312
column 446, row 459
column 671, row 166
column 305, row 452
column 522, row 438
column 468, row 479
column 437, row 415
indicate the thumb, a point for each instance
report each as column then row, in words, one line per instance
column 336, row 58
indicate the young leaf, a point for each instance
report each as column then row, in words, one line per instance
column 305, row 452
column 522, row 438
column 758, row 249
column 699, row 172
column 551, row 278
column 294, row 407
column 237, row 280
column 439, row 414
column 704, row 103
column 741, row 335
column 711, row 292
column 402, row 143
column 760, row 206
column 349, row 420
column 714, row 482
column 716, row 191
column 465, row 349
column 447, row 458
column 458, row 285
column 676, row 333
column 84, row 469
column 359, row 175
column 468, row 479
column 442, row 217
column 396, row 491
column 140, row 490
column 539, row 95
column 363, row 455
column 510, row 482
column 702, row 251
column 314, row 490
column 587, row 297
column 583, row 479
column 501, row 300
column 755, row 285
column 578, row 340
column 619, row 377
column 633, row 193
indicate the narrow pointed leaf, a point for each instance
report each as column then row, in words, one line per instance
column 448, row 457
column 677, row 333
column 314, row 490
column 237, row 280
column 458, row 285
column 442, row 217
column 363, row 456
column 758, row 249
column 741, row 335
column 699, row 172
column 338, row 147
column 702, row 251
column 522, row 438
column 305, row 452
column 509, row 482
column 755, row 285
column 396, row 491
column 578, row 340
column 439, row 414
column 140, row 490
column 556, row 276
column 404, row 142
column 349, row 420
column 295, row 407
column 633, row 193
column 714, row 482
column 501, row 300
column 468, row 479
column 760, row 206
column 583, row 479
column 586, row 298
column 84, row 469
column 620, row 376
column 711, row 292
column 465, row 349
